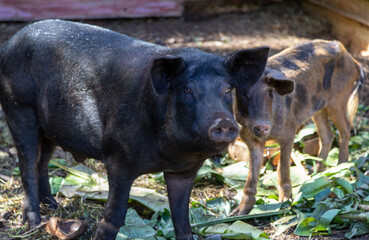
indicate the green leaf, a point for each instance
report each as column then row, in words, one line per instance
column 149, row 198
column 55, row 184
column 241, row 230
column 357, row 229
column 304, row 228
column 345, row 185
column 200, row 214
column 236, row 171
column 332, row 159
column 339, row 192
column 322, row 195
column 326, row 219
column 298, row 176
column 284, row 223
column 206, row 173
column 305, row 131
column 135, row 227
column 220, row 206
column 313, row 187
column 265, row 208
column 215, row 229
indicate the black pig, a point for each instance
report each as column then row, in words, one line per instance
column 136, row 106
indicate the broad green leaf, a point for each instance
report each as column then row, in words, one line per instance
column 262, row 191
column 304, row 228
column 339, row 192
column 305, row 131
column 284, row 223
column 135, row 228
column 206, row 173
column 149, row 198
column 236, row 171
column 265, row 208
column 215, row 229
column 332, row 159
column 326, row 219
column 298, row 176
column 200, row 214
column 345, row 185
column 338, row 170
column 241, row 229
column 319, row 210
column 357, row 229
column 55, row 184
column 164, row 223
column 322, row 195
column 311, row 188
column 283, row 220
column 220, row 206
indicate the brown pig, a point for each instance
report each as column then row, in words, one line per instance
column 317, row 79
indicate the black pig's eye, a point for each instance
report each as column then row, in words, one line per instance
column 188, row 90
column 228, row 90
column 270, row 93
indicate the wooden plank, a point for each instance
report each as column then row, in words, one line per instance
column 25, row 10
column 353, row 33
column 356, row 10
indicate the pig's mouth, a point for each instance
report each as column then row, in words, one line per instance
column 261, row 135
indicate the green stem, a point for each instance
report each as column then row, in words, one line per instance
column 71, row 170
column 236, row 218
column 356, row 216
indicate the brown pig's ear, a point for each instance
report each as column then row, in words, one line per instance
column 282, row 85
column 164, row 69
column 247, row 66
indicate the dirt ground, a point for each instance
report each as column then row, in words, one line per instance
column 277, row 25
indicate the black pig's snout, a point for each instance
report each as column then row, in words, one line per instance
column 224, row 130
column 261, row 130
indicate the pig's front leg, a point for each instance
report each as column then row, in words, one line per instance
column 120, row 182
column 283, row 170
column 256, row 158
column 179, row 188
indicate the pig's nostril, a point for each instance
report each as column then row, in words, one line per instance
column 261, row 130
column 223, row 132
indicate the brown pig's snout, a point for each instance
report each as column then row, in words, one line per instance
column 261, row 129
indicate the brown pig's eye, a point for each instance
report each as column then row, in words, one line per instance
column 188, row 90
column 270, row 93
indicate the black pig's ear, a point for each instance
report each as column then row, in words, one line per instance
column 283, row 86
column 247, row 66
column 164, row 69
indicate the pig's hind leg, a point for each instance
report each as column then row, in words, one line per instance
column 340, row 120
column 44, row 191
column 325, row 134
column 23, row 125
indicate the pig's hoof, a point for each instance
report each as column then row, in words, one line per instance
column 50, row 203
column 106, row 231
column 33, row 219
column 240, row 210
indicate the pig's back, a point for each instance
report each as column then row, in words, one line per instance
column 322, row 71
column 73, row 75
